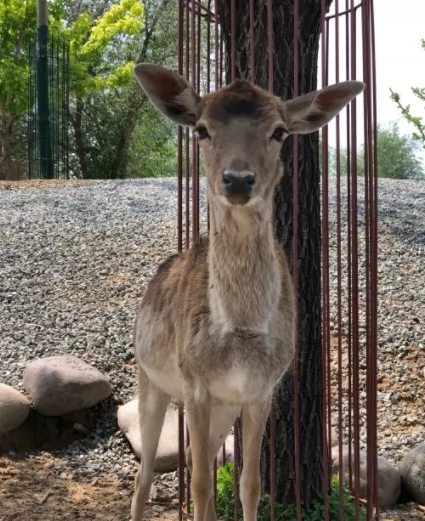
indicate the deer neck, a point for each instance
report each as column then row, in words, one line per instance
column 244, row 272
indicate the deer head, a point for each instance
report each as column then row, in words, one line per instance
column 241, row 127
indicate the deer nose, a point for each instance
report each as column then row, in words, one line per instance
column 238, row 183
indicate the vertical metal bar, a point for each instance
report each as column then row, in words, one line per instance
column 232, row 39
column 209, row 47
column 325, row 272
column 216, row 46
column 180, row 142
column 270, row 41
column 181, row 466
column 209, row 20
column 355, row 269
column 67, row 102
column 374, row 255
column 181, row 461
column 187, row 476
column 295, row 217
column 272, row 418
column 29, row 129
column 339, row 268
column 195, row 177
column 57, row 109
column 252, row 39
column 367, row 178
column 349, row 266
column 326, row 327
column 186, row 132
column 236, row 471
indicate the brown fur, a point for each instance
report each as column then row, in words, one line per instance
column 216, row 325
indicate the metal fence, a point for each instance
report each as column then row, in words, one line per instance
column 212, row 52
column 48, row 107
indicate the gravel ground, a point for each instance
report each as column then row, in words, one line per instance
column 75, row 260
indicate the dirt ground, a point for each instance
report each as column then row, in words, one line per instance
column 31, row 491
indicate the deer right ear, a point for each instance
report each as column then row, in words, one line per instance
column 171, row 94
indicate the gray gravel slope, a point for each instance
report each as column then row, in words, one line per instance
column 75, row 261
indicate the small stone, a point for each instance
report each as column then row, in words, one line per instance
column 62, row 384
column 14, row 408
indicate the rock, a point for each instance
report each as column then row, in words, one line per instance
column 167, row 456
column 14, row 408
column 58, row 385
column 389, row 481
column 412, row 470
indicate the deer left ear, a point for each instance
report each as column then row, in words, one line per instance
column 169, row 92
column 312, row 111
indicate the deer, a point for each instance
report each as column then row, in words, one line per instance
column 215, row 328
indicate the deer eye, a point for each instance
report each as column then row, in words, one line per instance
column 201, row 132
column 279, row 134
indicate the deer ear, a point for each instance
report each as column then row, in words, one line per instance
column 171, row 94
column 314, row 110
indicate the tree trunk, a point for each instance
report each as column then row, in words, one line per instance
column 76, row 122
column 7, row 162
column 309, row 280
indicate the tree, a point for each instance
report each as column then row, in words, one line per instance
column 99, row 63
column 309, row 280
column 397, row 156
column 116, row 125
column 416, row 121
column 17, row 25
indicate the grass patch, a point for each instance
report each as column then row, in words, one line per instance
column 316, row 512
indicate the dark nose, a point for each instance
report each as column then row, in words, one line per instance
column 238, row 183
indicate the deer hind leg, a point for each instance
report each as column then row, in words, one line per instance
column 152, row 407
column 222, row 417
column 254, row 418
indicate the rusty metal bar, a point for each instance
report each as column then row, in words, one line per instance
column 194, row 38
column 195, row 52
column 339, row 268
column 252, row 38
column 374, row 255
column 180, row 138
column 355, row 270
column 295, row 217
column 181, row 466
column 325, row 272
column 186, row 132
column 232, row 38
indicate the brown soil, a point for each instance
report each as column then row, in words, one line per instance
column 31, row 491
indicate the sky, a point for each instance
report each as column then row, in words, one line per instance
column 400, row 59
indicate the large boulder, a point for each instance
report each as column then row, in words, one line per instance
column 58, row 385
column 412, row 470
column 389, row 481
column 167, row 456
column 14, row 408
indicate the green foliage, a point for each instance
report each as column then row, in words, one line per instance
column 416, row 121
column 226, row 503
column 396, row 155
column 90, row 40
column 154, row 146
column 17, row 25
